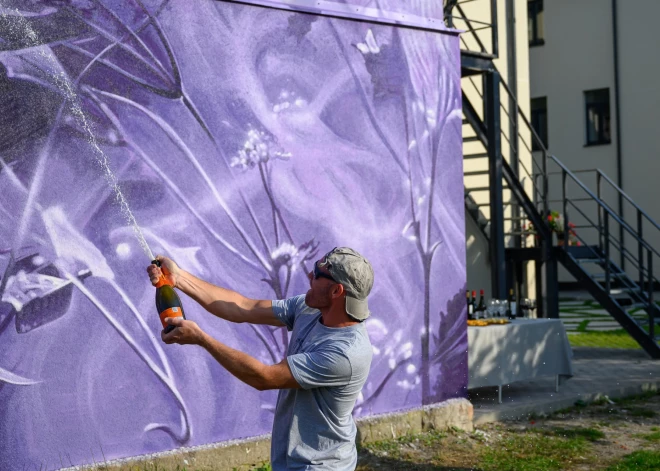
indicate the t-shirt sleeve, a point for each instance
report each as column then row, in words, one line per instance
column 320, row 369
column 286, row 310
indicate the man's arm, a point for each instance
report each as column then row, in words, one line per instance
column 246, row 368
column 227, row 304
column 224, row 303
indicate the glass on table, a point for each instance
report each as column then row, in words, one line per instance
column 492, row 307
column 501, row 307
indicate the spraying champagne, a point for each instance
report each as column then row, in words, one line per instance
column 168, row 302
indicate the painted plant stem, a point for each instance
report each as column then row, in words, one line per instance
column 363, row 97
column 175, row 139
column 186, row 431
column 170, row 184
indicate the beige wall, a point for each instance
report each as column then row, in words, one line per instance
column 578, row 55
column 639, row 69
column 478, row 261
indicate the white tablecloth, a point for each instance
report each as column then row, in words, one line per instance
column 521, row 350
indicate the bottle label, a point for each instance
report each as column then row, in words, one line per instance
column 170, row 312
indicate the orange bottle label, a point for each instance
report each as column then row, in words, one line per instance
column 170, row 312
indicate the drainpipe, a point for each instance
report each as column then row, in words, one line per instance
column 619, row 163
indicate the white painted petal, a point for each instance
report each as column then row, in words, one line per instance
column 371, row 42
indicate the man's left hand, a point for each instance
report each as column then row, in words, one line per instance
column 186, row 332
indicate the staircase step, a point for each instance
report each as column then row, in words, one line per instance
column 465, row 121
column 480, row 155
column 477, row 188
column 471, row 139
column 603, row 275
column 475, row 172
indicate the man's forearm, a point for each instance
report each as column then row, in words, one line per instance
column 246, row 368
column 219, row 301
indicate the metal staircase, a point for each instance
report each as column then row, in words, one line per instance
column 509, row 186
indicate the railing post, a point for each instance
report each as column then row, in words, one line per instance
column 564, row 208
column 545, row 183
column 652, row 309
column 640, row 251
column 493, row 22
column 600, row 214
column 493, row 128
column 607, row 252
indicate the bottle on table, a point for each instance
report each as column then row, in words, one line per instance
column 168, row 302
column 470, row 306
column 481, row 307
column 510, row 306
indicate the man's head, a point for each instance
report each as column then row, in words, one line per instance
column 346, row 267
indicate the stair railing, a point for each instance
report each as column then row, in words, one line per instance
column 643, row 261
column 455, row 17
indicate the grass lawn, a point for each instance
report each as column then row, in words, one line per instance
column 606, row 339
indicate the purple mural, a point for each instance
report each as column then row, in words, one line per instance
column 246, row 141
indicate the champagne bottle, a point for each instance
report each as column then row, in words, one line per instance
column 481, row 308
column 470, row 306
column 168, row 303
column 509, row 311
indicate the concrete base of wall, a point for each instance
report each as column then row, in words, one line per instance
column 246, row 454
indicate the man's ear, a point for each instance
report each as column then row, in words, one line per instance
column 337, row 290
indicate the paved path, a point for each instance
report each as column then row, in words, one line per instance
column 598, row 372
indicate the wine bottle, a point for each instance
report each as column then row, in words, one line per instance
column 168, row 302
column 470, row 306
column 481, row 307
column 509, row 312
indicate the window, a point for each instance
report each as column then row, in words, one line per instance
column 540, row 121
column 535, row 22
column 597, row 106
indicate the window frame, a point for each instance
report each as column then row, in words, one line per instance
column 534, row 121
column 603, row 114
column 535, row 7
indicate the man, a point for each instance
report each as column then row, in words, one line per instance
column 327, row 361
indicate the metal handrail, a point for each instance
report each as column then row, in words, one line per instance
column 640, row 212
column 630, row 200
column 463, row 17
column 600, row 203
column 646, row 276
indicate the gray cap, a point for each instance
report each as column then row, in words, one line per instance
column 354, row 272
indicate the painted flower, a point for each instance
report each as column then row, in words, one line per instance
column 259, row 147
column 289, row 255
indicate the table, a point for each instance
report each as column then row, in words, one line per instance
column 518, row 351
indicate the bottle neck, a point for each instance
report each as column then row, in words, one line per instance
column 162, row 282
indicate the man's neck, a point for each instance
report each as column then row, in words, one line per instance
column 336, row 319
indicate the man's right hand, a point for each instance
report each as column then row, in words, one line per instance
column 167, row 268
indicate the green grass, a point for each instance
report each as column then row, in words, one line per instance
column 607, row 339
column 582, row 327
column 638, row 397
column 641, row 412
column 534, row 452
column 652, row 437
column 392, row 447
column 588, row 434
column 638, row 461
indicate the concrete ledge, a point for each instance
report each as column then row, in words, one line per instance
column 244, row 454
column 452, row 413
column 509, row 412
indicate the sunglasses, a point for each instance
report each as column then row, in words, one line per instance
column 319, row 274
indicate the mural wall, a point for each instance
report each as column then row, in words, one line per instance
column 246, row 142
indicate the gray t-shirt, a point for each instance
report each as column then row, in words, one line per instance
column 313, row 427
